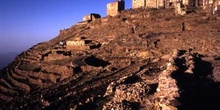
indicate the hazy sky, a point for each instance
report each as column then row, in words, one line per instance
column 24, row 23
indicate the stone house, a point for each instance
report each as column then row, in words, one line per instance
column 91, row 17
column 115, row 7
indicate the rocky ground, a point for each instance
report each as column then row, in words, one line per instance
column 140, row 59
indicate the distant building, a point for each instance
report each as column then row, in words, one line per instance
column 115, row 7
column 148, row 3
column 91, row 16
column 76, row 45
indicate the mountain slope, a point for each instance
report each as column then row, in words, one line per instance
column 121, row 62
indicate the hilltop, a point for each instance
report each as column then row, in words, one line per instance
column 139, row 59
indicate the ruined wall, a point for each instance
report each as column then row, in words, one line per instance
column 115, row 7
column 91, row 16
column 56, row 55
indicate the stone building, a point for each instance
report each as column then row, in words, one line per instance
column 75, row 43
column 148, row 3
column 115, row 7
column 91, row 16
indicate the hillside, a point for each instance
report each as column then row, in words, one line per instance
column 141, row 59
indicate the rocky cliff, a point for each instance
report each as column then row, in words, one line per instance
column 140, row 59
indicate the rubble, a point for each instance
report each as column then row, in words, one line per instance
column 125, row 95
column 167, row 90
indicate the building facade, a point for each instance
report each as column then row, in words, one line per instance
column 115, row 7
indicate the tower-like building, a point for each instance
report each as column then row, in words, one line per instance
column 115, row 7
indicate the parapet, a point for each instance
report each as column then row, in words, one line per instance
column 115, row 7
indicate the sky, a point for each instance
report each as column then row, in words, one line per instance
column 24, row 23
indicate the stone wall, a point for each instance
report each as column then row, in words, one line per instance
column 115, row 7
column 91, row 16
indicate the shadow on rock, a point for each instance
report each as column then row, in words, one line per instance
column 197, row 91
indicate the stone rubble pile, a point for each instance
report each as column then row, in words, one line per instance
column 167, row 90
column 190, row 61
column 126, row 96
